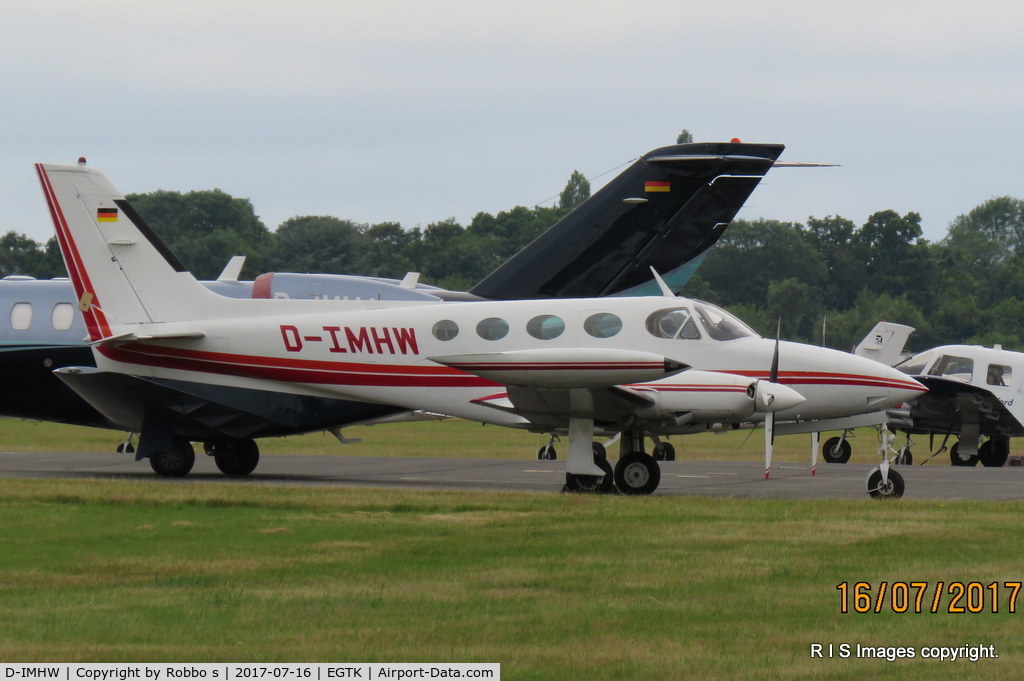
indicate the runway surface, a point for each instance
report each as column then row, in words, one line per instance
column 705, row 478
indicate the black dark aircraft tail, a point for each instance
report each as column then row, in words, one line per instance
column 664, row 211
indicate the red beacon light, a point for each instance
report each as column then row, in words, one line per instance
column 735, row 140
column 81, row 160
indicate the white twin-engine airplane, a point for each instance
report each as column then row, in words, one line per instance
column 641, row 367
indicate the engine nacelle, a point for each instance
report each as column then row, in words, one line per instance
column 773, row 397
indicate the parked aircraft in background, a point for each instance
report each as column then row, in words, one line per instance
column 973, row 393
column 666, row 209
column 640, row 366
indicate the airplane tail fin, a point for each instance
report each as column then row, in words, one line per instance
column 664, row 211
column 884, row 343
column 125, row 275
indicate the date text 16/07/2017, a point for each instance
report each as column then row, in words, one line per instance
column 932, row 597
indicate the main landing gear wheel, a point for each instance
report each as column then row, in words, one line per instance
column 593, row 484
column 176, row 462
column 664, row 451
column 904, row 458
column 955, row 460
column 836, row 450
column 235, row 458
column 637, row 473
column 995, row 452
column 890, row 489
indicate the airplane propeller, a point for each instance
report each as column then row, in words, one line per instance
column 769, row 420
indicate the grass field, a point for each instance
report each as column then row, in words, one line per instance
column 550, row 586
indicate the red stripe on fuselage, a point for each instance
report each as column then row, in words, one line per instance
column 559, row 366
column 293, row 370
column 828, row 378
column 95, row 320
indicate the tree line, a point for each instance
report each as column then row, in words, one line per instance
column 828, row 280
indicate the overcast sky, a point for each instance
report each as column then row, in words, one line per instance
column 422, row 110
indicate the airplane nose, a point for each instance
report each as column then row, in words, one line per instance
column 900, row 387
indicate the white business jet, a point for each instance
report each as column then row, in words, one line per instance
column 638, row 366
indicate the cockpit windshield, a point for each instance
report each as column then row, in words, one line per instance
column 916, row 364
column 673, row 322
column 721, row 325
column 961, row 368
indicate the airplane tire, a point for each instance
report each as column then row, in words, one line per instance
column 600, row 453
column 995, row 452
column 664, row 451
column 238, row 458
column 904, row 458
column 955, row 460
column 547, row 453
column 176, row 462
column 592, row 484
column 836, row 450
column 893, row 489
column 637, row 473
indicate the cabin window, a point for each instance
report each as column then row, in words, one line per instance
column 999, row 374
column 445, row 330
column 545, row 327
column 492, row 328
column 21, row 316
column 676, row 322
column 960, row 368
column 63, row 316
column 602, row 325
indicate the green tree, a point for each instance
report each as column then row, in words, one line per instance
column 895, row 258
column 844, row 329
column 205, row 228
column 449, row 258
column 798, row 306
column 750, row 255
column 577, row 190
column 983, row 251
column 318, row 244
column 684, row 137
column 844, row 273
column 389, row 250
column 22, row 255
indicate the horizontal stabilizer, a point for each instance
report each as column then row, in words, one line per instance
column 129, row 337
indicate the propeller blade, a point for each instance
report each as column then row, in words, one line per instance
column 814, row 453
column 769, row 421
column 774, row 375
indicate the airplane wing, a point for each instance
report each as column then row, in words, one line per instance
column 552, row 408
column 950, row 403
column 664, row 211
column 201, row 411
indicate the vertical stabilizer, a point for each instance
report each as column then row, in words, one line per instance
column 885, row 342
column 122, row 272
column 664, row 211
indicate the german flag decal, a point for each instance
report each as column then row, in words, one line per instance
column 106, row 215
column 655, row 186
